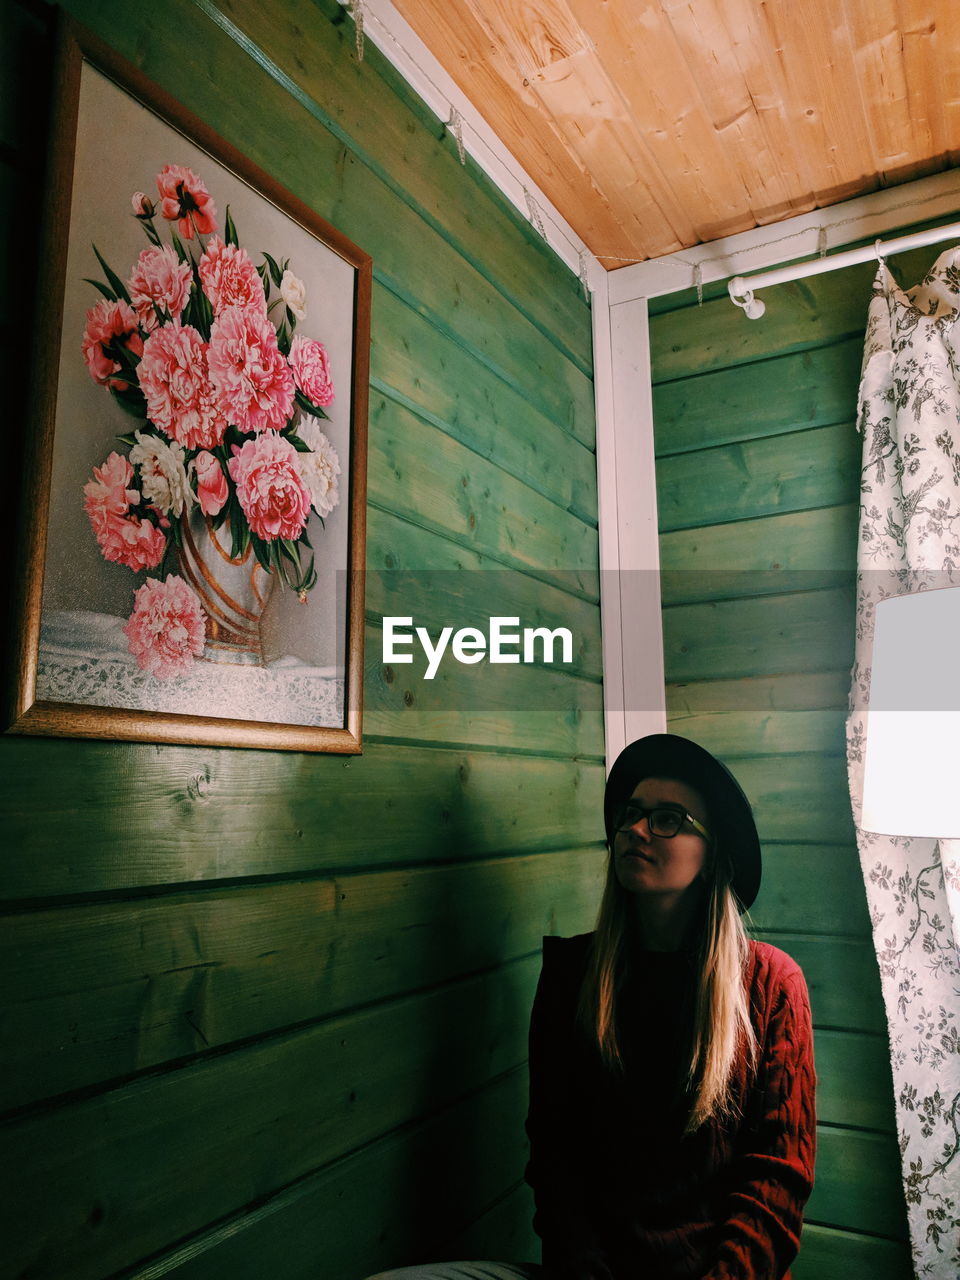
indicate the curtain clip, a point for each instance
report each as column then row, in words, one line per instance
column 753, row 308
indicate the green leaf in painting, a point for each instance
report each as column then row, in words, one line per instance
column 289, row 549
column 308, row 405
column 107, row 293
column 230, row 230
column 119, row 288
column 275, row 271
column 235, row 539
column 262, row 552
column 131, row 401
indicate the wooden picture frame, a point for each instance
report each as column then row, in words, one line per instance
column 281, row 668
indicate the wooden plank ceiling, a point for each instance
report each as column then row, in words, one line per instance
column 653, row 125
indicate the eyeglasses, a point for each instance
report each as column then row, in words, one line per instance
column 663, row 820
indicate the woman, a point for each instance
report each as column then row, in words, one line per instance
column 671, row 1117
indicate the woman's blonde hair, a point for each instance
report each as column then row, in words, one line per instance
column 721, row 1018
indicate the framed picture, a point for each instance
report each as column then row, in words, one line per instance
column 195, row 500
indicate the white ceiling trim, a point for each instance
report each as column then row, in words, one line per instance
column 400, row 44
column 803, row 236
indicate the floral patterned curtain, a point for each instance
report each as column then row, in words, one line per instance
column 910, row 540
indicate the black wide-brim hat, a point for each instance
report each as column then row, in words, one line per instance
column 666, row 755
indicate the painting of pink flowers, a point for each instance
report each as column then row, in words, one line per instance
column 200, row 567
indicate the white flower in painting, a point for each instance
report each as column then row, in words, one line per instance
column 163, row 476
column 319, row 468
column 294, row 294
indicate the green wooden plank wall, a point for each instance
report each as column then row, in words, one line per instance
column 758, row 469
column 266, row 1013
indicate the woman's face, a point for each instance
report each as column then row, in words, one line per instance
column 650, row 864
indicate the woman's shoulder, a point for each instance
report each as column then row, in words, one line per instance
column 773, row 969
column 579, row 944
column 566, row 951
column 563, row 956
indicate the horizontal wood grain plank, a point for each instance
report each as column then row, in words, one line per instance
column 854, row 1085
column 417, row 572
column 826, row 1253
column 818, row 889
column 101, row 991
column 798, row 798
column 431, row 372
column 736, row 639
column 768, row 397
column 89, row 1195
column 858, row 1183
column 85, row 817
column 512, row 707
column 763, row 732
column 417, row 472
column 819, row 467
column 802, row 691
column 402, row 1199
column 798, row 551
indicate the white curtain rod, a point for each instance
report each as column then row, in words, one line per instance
column 741, row 288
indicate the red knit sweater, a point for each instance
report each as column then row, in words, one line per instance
column 620, row 1192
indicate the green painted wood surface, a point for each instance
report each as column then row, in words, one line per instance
column 400, row 1199
column 818, row 387
column 210, row 74
column 747, row 732
column 817, row 888
column 858, row 1183
column 798, row 798
column 421, row 573
column 427, row 477
column 77, row 812
column 809, row 631
column 818, row 467
column 798, row 551
column 507, row 1224
column 431, row 373
column 108, row 989
column 854, row 1084
column 790, row 691
column 102, row 1183
column 826, row 1253
column 514, row 707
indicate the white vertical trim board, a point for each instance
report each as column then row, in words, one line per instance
column 634, row 695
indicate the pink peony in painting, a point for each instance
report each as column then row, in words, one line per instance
column 199, row 345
